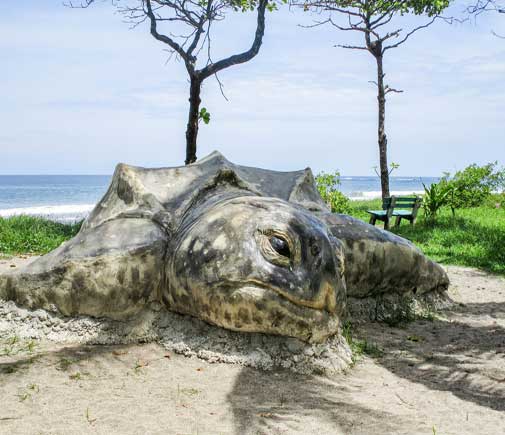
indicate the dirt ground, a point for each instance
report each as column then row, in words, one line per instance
column 442, row 375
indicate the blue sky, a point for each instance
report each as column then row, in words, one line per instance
column 81, row 92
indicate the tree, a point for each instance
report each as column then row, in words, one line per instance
column 188, row 24
column 371, row 18
column 482, row 6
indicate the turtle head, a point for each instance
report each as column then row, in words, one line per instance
column 261, row 265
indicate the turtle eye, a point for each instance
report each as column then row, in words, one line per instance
column 277, row 247
column 280, row 246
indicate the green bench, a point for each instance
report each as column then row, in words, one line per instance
column 402, row 207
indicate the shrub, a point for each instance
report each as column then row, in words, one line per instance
column 327, row 184
column 472, row 186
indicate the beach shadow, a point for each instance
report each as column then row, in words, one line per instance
column 452, row 356
column 70, row 358
column 492, row 309
column 442, row 355
column 284, row 402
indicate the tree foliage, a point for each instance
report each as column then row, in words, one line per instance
column 468, row 188
column 328, row 185
column 472, row 186
column 374, row 19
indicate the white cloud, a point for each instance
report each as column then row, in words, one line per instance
column 80, row 92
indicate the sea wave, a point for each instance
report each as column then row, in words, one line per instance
column 67, row 212
column 74, row 212
column 376, row 194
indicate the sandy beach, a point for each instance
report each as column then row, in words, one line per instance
column 443, row 375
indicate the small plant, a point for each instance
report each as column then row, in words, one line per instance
column 11, row 346
column 34, row 387
column 30, row 346
column 23, row 396
column 435, row 197
column 189, row 391
column 327, row 185
column 139, row 365
column 363, row 347
column 13, row 340
column 428, row 314
column 65, row 363
column 87, row 414
column 76, row 376
column 360, row 347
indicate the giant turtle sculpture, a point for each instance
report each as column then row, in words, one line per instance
column 243, row 248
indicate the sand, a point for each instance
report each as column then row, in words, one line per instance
column 442, row 375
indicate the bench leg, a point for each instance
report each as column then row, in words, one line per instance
column 386, row 224
column 398, row 220
column 372, row 220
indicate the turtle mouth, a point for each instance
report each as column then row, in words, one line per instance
column 325, row 299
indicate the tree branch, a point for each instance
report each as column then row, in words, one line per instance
column 213, row 68
column 408, row 35
column 351, row 47
column 188, row 60
column 388, row 89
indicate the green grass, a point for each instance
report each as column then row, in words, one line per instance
column 33, row 235
column 359, row 347
column 475, row 237
column 359, row 208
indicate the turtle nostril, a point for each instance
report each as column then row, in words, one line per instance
column 315, row 250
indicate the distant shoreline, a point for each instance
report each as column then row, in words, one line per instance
column 68, row 198
column 74, row 212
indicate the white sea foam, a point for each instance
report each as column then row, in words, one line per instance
column 364, row 196
column 66, row 212
column 73, row 212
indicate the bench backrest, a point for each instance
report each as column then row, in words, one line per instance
column 405, row 202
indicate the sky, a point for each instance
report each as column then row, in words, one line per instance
column 81, row 91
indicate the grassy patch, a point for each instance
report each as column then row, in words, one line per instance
column 14, row 345
column 360, row 347
column 33, row 235
column 475, row 237
column 65, row 363
column 359, row 208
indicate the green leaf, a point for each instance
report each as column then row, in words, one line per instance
column 204, row 115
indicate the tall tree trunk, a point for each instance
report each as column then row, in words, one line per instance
column 193, row 118
column 382, row 139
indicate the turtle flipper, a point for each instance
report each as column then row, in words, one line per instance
column 378, row 261
column 111, row 270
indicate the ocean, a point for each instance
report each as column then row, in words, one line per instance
column 72, row 197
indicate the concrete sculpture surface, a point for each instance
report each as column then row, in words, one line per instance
column 243, row 248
